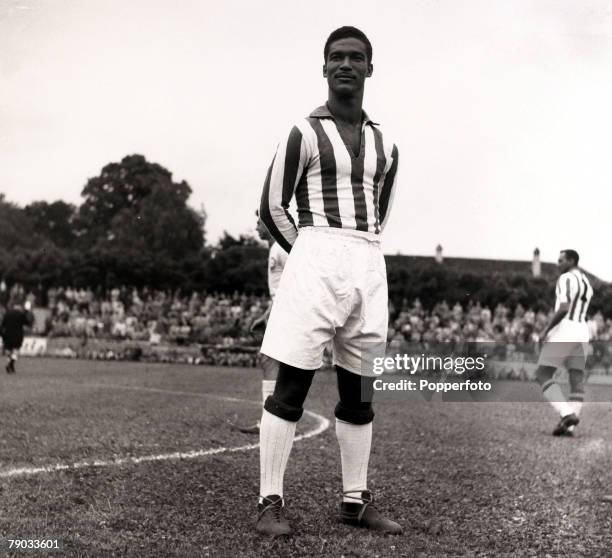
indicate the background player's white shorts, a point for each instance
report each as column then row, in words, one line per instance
column 566, row 345
column 333, row 287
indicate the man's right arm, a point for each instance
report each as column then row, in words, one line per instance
column 282, row 179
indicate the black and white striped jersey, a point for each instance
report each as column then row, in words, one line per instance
column 574, row 289
column 333, row 187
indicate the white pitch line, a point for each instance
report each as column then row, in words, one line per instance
column 194, row 454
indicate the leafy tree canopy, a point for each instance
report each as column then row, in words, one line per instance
column 130, row 189
column 53, row 221
column 16, row 228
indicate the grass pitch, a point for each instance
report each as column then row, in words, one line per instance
column 464, row 479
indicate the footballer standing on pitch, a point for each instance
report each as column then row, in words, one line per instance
column 342, row 172
column 566, row 340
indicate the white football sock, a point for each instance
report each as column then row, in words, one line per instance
column 275, row 439
column 267, row 388
column 355, row 441
column 576, row 401
column 553, row 394
column 577, row 407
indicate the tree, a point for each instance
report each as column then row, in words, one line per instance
column 16, row 229
column 237, row 264
column 228, row 241
column 161, row 225
column 135, row 226
column 53, row 221
column 122, row 188
column 602, row 300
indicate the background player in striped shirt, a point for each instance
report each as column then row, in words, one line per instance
column 342, row 173
column 566, row 342
column 276, row 263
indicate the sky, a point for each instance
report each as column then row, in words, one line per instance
column 500, row 109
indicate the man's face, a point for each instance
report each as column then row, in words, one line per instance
column 347, row 66
column 262, row 231
column 564, row 263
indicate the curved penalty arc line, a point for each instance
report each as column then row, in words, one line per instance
column 322, row 426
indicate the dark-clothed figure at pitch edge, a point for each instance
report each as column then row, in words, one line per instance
column 14, row 322
column 341, row 171
column 566, row 340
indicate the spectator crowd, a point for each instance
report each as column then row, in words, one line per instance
column 221, row 324
column 154, row 316
column 454, row 323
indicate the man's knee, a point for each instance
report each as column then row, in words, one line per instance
column 355, row 391
column 290, row 391
column 359, row 413
column 283, row 410
column 544, row 374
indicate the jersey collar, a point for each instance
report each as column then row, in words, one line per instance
column 324, row 112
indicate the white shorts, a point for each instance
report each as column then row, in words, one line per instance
column 566, row 345
column 333, row 288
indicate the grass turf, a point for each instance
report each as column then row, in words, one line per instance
column 477, row 479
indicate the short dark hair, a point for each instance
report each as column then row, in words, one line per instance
column 571, row 255
column 344, row 33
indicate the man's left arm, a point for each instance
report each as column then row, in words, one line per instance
column 387, row 191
